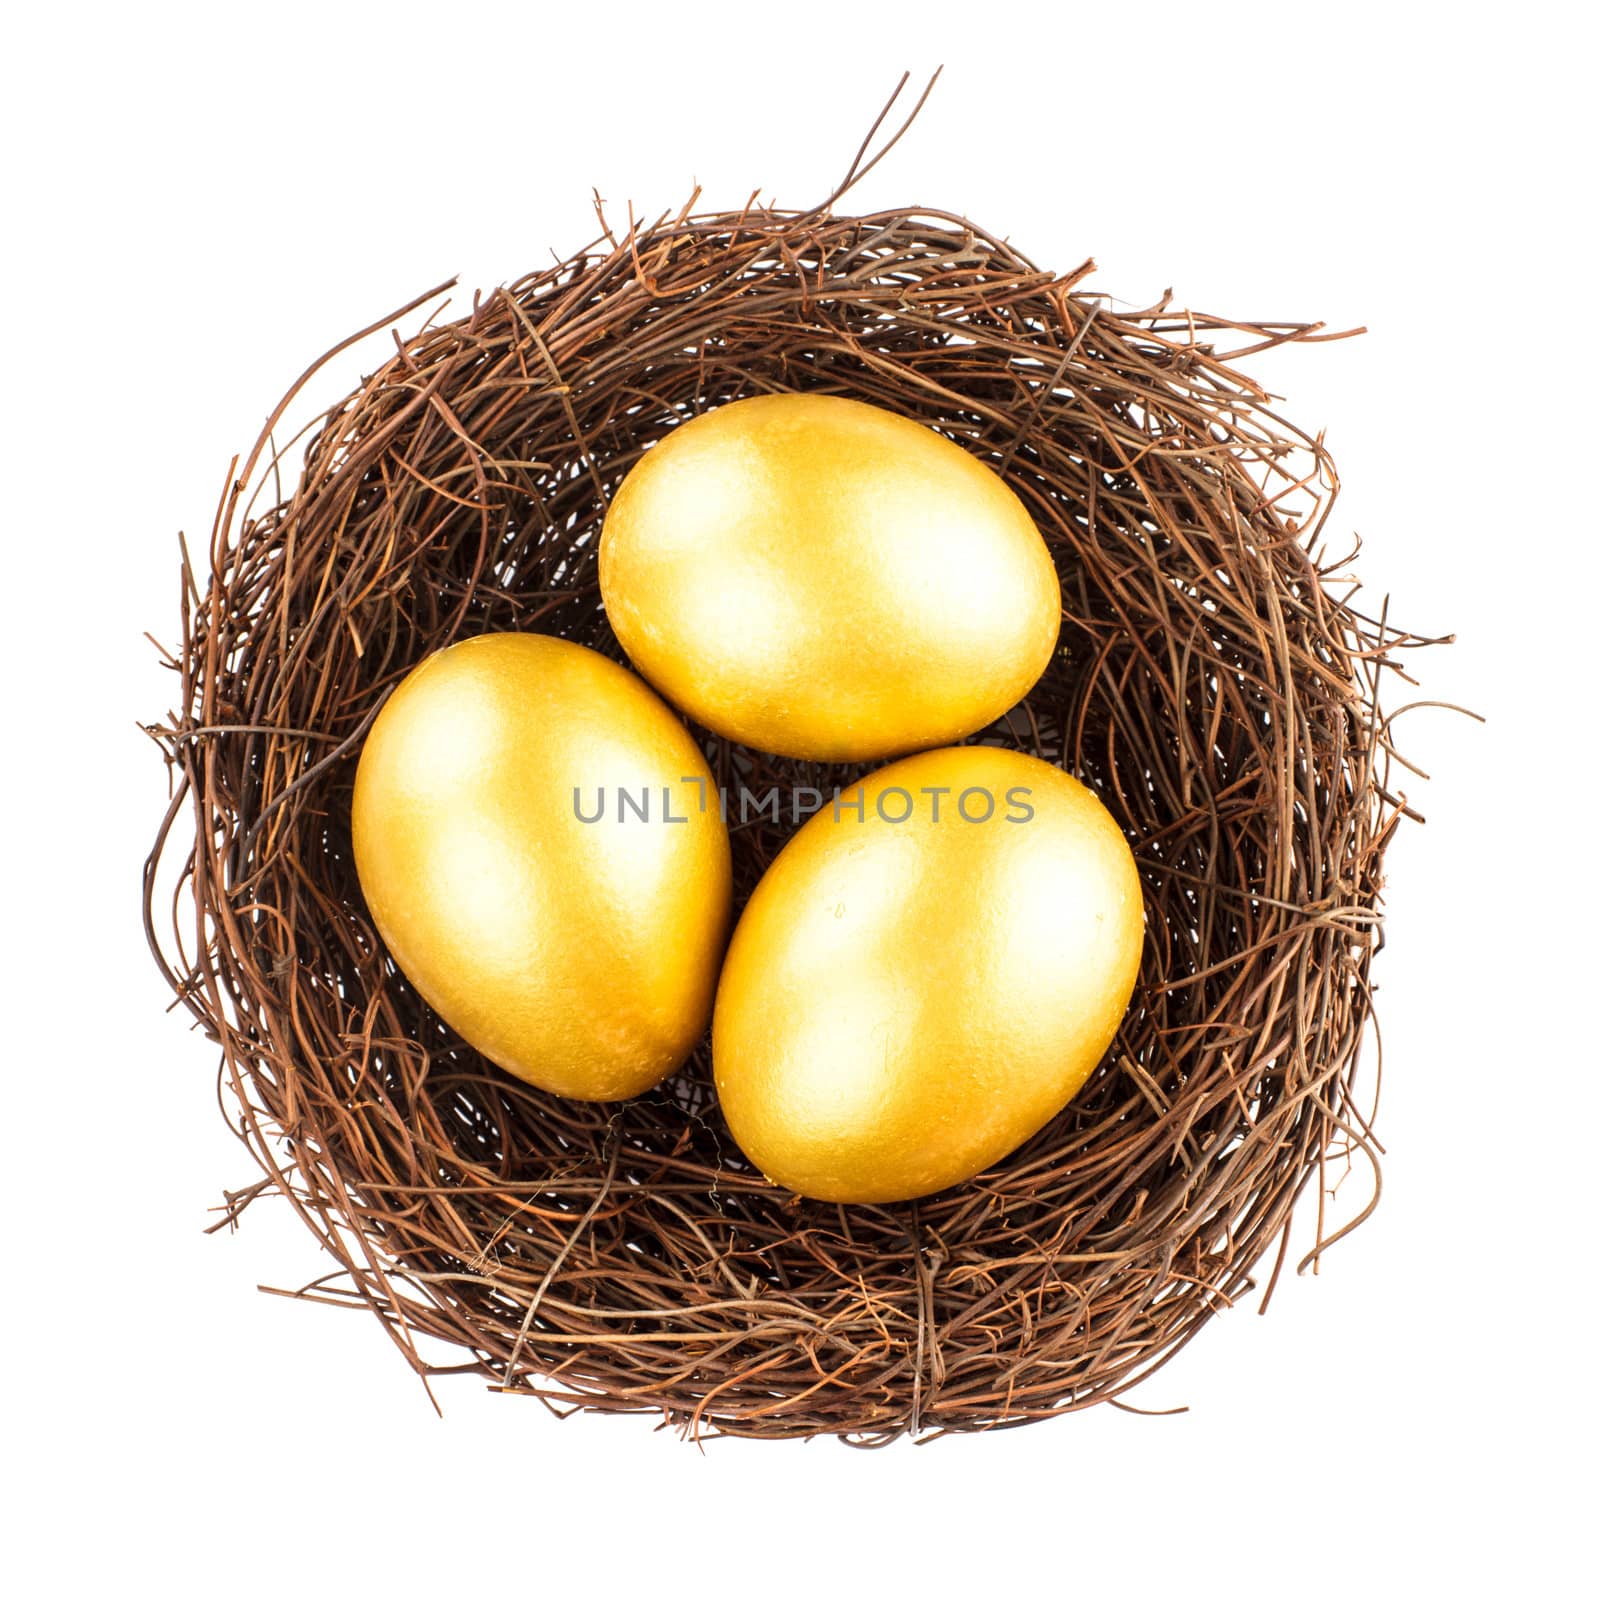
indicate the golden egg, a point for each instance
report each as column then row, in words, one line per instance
column 539, row 843
column 930, row 969
column 821, row 578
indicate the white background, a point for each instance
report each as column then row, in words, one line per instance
column 198, row 201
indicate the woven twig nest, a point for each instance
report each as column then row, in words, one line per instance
column 1214, row 685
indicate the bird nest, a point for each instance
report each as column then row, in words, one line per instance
column 1215, row 686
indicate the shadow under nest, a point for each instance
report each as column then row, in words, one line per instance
column 1214, row 685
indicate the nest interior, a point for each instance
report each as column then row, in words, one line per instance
column 1215, row 686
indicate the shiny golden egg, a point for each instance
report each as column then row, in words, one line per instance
column 821, row 578
column 927, row 973
column 540, row 846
